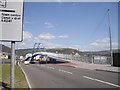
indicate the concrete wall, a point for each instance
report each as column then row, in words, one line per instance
column 116, row 59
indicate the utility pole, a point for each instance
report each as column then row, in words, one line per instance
column 111, row 53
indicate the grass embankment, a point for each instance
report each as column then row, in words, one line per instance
column 0, row 76
column 0, row 73
column 20, row 80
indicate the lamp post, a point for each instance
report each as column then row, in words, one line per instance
column 111, row 53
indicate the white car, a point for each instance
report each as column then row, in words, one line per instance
column 27, row 61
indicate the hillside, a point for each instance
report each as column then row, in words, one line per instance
column 53, row 50
column 64, row 50
column 5, row 48
column 22, row 52
column 104, row 52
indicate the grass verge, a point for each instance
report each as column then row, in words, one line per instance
column 0, row 76
column 20, row 80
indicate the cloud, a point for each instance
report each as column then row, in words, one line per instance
column 63, row 36
column 104, row 40
column 29, row 40
column 59, row 0
column 23, row 44
column 102, row 44
column 97, row 45
column 46, row 36
column 47, row 44
column 49, row 25
column 94, row 44
column 27, row 36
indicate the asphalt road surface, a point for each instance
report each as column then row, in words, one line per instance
column 56, row 76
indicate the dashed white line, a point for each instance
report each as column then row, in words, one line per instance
column 59, row 69
column 51, row 67
column 101, row 81
column 65, row 71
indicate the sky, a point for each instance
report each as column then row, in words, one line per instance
column 78, row 25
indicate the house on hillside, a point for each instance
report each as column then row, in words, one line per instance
column 77, row 54
column 4, row 55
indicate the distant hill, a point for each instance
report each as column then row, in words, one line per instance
column 64, row 50
column 22, row 52
column 5, row 48
column 105, row 52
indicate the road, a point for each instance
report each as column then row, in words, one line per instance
column 56, row 76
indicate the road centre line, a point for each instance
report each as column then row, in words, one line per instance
column 59, row 69
column 101, row 81
column 65, row 71
column 51, row 67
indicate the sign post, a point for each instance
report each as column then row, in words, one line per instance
column 11, row 27
column 12, row 64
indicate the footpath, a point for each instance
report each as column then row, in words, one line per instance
column 101, row 67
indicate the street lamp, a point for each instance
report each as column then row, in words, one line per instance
column 111, row 53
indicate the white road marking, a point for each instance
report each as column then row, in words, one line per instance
column 101, row 81
column 51, row 67
column 25, row 76
column 65, row 71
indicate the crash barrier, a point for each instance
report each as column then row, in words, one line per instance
column 84, row 58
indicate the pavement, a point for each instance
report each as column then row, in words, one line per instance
column 60, row 76
column 102, row 67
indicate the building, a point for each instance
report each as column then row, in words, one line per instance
column 4, row 55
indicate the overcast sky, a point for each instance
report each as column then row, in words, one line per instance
column 79, row 25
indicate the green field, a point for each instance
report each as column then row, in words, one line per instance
column 20, row 80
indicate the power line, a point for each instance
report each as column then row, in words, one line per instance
column 98, row 26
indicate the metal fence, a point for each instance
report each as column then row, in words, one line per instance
column 85, row 58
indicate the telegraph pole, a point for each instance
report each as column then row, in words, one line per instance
column 111, row 53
